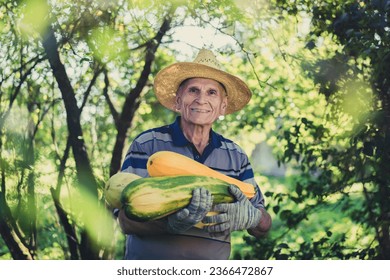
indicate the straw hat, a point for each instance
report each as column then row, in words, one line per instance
column 205, row 65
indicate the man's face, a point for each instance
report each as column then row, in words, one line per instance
column 201, row 101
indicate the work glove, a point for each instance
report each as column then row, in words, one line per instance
column 238, row 215
column 184, row 219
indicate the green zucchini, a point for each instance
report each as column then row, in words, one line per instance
column 152, row 198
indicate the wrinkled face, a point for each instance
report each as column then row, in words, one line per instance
column 201, row 101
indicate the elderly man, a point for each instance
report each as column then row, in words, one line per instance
column 200, row 92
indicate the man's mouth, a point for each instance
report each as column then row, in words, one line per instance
column 199, row 110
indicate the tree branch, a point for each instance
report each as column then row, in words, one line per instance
column 96, row 73
column 132, row 100
column 114, row 112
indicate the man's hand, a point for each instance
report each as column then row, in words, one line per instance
column 185, row 218
column 234, row 216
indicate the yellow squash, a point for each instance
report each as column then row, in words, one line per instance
column 167, row 163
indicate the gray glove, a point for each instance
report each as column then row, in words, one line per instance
column 234, row 216
column 185, row 218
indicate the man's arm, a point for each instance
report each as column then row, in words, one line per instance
column 142, row 228
column 264, row 225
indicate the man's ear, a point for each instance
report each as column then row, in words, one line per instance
column 224, row 106
column 178, row 103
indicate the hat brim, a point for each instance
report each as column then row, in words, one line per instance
column 167, row 82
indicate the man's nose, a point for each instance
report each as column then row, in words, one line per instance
column 202, row 97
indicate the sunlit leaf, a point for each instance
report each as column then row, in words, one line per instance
column 34, row 18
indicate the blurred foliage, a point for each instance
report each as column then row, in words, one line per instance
column 344, row 158
column 318, row 71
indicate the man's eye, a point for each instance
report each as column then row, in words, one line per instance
column 193, row 89
column 213, row 92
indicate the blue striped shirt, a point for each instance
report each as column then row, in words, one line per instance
column 222, row 155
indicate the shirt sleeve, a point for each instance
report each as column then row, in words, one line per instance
column 135, row 160
column 247, row 176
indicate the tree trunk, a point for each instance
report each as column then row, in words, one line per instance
column 384, row 154
column 69, row 229
column 16, row 247
column 124, row 120
column 88, row 249
column 29, row 156
column 84, row 170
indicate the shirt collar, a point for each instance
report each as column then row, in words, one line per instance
column 180, row 140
